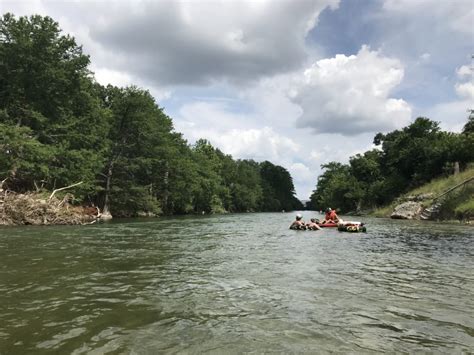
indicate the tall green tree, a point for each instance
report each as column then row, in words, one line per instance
column 278, row 188
column 46, row 88
column 136, row 157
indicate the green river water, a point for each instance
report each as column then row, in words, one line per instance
column 236, row 283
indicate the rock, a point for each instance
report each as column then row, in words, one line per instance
column 105, row 216
column 427, row 196
column 407, row 210
column 419, row 197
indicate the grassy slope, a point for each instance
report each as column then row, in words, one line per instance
column 436, row 187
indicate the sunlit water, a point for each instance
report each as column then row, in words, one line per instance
column 236, row 283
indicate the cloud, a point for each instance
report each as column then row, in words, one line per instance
column 463, row 71
column 350, row 94
column 453, row 114
column 259, row 144
column 182, row 43
column 465, row 90
column 166, row 43
column 455, row 15
column 301, row 172
column 237, row 134
column 425, row 57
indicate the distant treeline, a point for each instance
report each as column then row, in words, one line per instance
column 406, row 159
column 58, row 126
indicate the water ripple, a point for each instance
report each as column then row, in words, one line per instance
column 223, row 284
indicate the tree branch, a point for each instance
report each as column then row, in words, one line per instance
column 2, row 182
column 64, row 188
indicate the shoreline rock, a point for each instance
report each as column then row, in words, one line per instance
column 407, row 210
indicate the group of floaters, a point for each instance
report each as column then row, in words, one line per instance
column 331, row 219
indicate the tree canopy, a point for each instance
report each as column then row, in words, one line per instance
column 404, row 159
column 58, row 126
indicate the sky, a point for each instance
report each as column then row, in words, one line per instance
column 299, row 83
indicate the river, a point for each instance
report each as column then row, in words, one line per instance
column 236, row 283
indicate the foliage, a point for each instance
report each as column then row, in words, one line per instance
column 465, row 210
column 58, row 127
column 278, row 189
column 406, row 159
column 48, row 100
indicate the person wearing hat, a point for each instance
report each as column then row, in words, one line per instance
column 298, row 223
column 331, row 216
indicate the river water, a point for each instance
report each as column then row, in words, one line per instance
column 236, row 283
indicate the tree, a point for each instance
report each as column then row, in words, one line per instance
column 247, row 192
column 415, row 154
column 46, row 89
column 278, row 188
column 469, row 126
column 336, row 188
column 136, row 156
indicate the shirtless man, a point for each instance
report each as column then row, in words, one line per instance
column 313, row 225
column 298, row 223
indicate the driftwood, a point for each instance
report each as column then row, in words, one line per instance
column 2, row 182
column 33, row 208
column 64, row 188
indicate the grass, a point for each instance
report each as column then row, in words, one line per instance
column 465, row 208
column 435, row 187
column 383, row 211
column 438, row 186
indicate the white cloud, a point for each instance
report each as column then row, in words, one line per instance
column 350, row 94
column 106, row 76
column 240, row 135
column 259, row 144
column 456, row 15
column 425, row 57
column 301, row 172
column 185, row 42
column 463, row 71
column 465, row 90
column 451, row 115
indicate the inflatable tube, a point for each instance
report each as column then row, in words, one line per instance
column 303, row 229
column 352, row 228
column 327, row 225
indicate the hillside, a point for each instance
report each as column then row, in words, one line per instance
column 457, row 205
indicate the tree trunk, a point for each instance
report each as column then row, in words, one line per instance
column 166, row 191
column 105, row 210
column 456, row 168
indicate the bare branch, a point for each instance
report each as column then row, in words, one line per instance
column 64, row 188
column 1, row 183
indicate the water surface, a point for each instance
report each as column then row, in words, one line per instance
column 236, row 283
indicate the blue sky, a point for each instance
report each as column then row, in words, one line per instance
column 299, row 83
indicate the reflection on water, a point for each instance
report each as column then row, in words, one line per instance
column 236, row 283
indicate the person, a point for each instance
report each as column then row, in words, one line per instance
column 313, row 225
column 331, row 216
column 298, row 223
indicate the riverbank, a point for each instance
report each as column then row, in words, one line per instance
column 41, row 209
column 457, row 206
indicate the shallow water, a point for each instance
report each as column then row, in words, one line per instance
column 236, row 283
